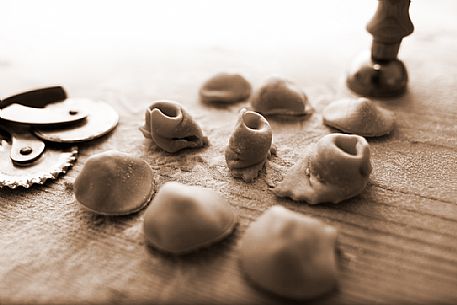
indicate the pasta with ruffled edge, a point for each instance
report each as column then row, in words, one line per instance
column 336, row 168
column 169, row 126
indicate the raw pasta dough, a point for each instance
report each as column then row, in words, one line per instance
column 171, row 127
column 114, row 183
column 249, row 146
column 280, row 97
column 336, row 168
column 225, row 88
column 184, row 218
column 289, row 254
column 360, row 116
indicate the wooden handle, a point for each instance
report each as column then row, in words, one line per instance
column 388, row 26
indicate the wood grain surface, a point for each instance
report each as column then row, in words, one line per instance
column 397, row 241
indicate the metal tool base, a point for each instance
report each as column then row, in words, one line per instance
column 373, row 78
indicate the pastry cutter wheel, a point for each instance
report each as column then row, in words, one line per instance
column 33, row 117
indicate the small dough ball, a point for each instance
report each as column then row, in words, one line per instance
column 184, row 218
column 225, row 88
column 290, row 254
column 114, row 183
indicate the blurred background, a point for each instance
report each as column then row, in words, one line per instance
column 52, row 39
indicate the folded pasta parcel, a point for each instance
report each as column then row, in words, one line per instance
column 114, row 183
column 225, row 88
column 359, row 116
column 336, row 168
column 289, row 254
column 171, row 127
column 280, row 97
column 184, row 218
column 249, row 146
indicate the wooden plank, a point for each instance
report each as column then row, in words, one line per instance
column 397, row 241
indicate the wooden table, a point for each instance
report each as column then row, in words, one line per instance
column 398, row 239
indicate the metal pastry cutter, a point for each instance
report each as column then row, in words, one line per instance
column 38, row 128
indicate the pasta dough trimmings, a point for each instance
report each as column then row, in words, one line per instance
column 249, row 145
column 280, row 97
column 224, row 87
column 360, row 116
column 184, row 218
column 289, row 254
column 335, row 169
column 171, row 127
column 114, row 183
